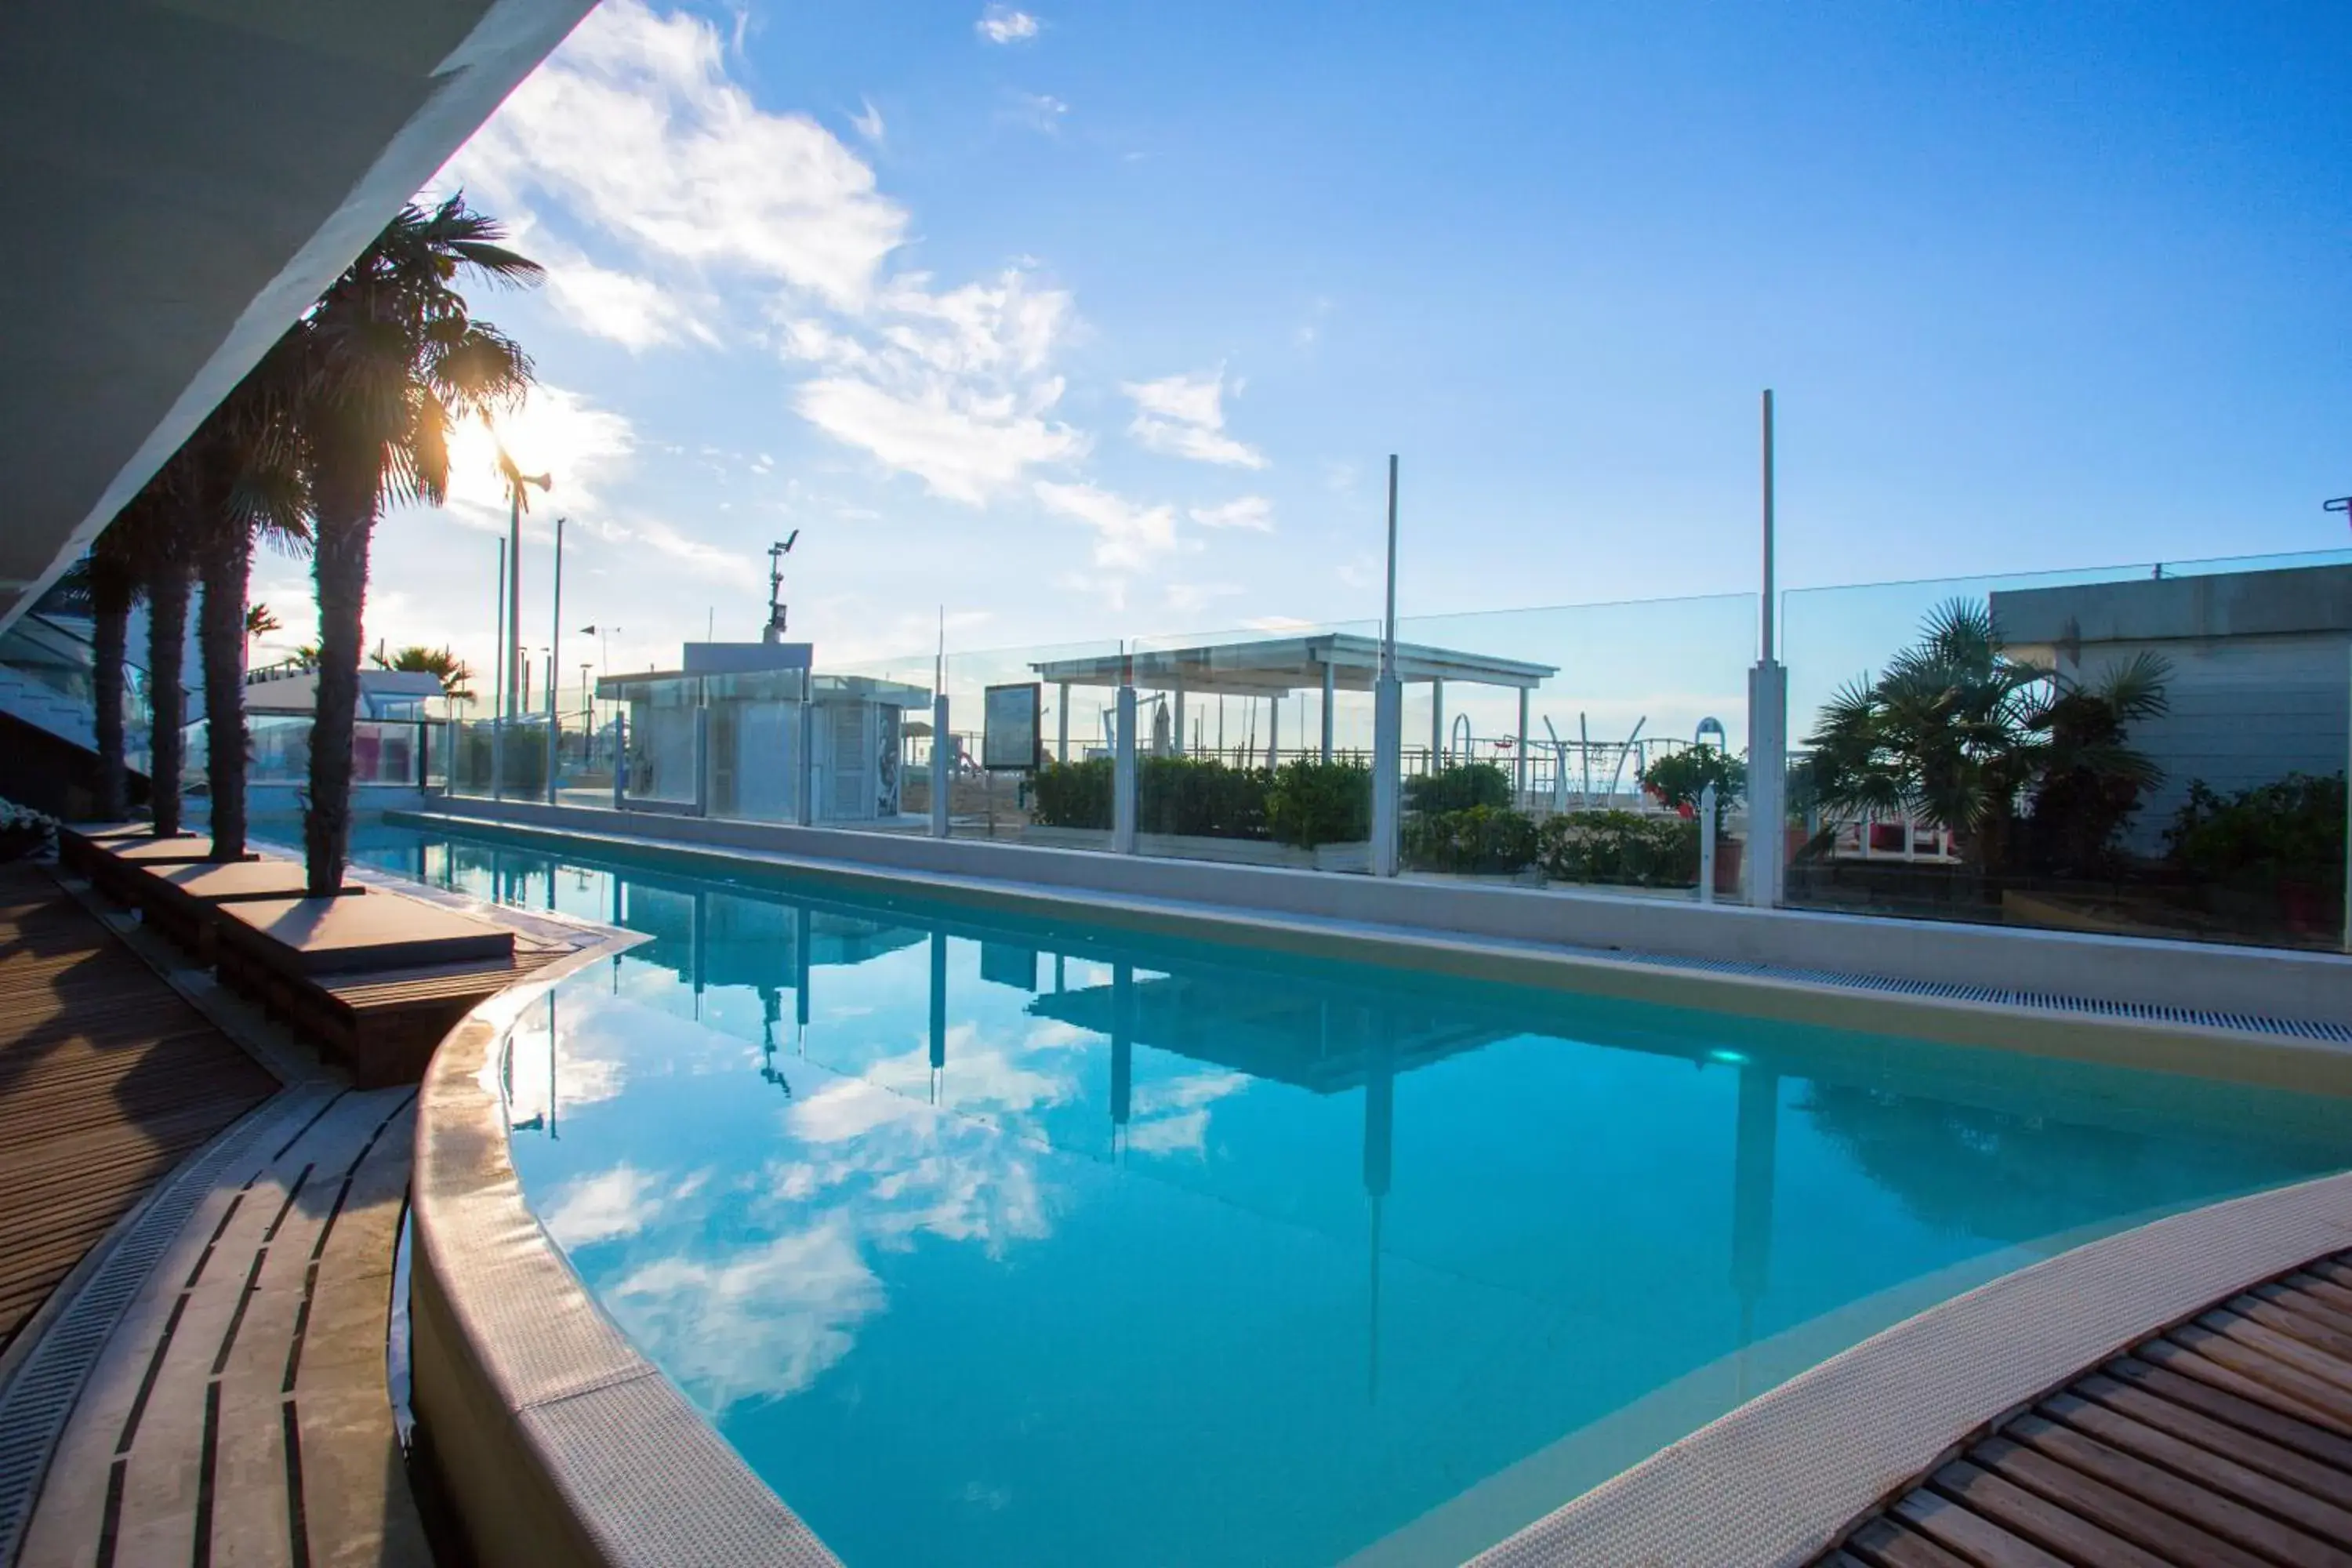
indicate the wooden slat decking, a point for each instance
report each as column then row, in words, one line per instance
column 107, row 1078
column 2226, row 1441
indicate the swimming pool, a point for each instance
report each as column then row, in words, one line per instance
column 990, row 1241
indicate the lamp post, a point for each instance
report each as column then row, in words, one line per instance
column 516, row 505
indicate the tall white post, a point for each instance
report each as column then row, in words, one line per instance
column 620, row 758
column 1178, row 728
column 1388, row 717
column 1766, row 871
column 1122, row 778
column 1274, row 730
column 1520, row 755
column 942, row 765
column 555, row 664
column 804, row 798
column 1436, row 725
column 1331, row 685
column 1706, row 820
column 1061, row 717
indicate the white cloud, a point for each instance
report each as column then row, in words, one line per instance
column 635, row 312
column 1128, row 537
column 556, row 432
column 1038, row 111
column 868, row 123
column 634, row 125
column 1184, row 416
column 602, row 1207
column 1004, row 25
column 1189, row 598
column 955, row 388
column 1254, row 513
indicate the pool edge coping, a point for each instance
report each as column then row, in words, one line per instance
column 1780, row 1479
column 554, row 1437
column 586, row 1453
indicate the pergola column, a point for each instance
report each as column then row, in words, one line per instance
column 1180, row 718
column 1519, row 754
column 1329, row 685
column 1436, row 723
column 1274, row 730
column 1062, row 715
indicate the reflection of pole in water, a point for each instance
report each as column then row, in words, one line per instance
column 551, row 1063
column 1380, row 1139
column 1753, row 1158
column 1123, row 1053
column 801, row 934
column 938, row 1010
column 697, row 913
column 772, row 1010
column 617, row 886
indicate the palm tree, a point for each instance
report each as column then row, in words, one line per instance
column 1943, row 737
column 112, row 579
column 392, row 357
column 250, row 483
column 440, row 663
column 260, row 620
column 1962, row 734
column 147, row 541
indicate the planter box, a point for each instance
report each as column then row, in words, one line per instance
column 1226, row 851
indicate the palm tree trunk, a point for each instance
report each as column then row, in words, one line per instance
column 339, row 567
column 167, row 698
column 109, row 603
column 220, row 634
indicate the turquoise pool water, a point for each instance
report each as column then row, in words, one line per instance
column 996, row 1242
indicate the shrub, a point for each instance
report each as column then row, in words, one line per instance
column 1073, row 794
column 1678, row 779
column 1482, row 838
column 1458, row 788
column 1311, row 803
column 1200, row 798
column 2286, row 833
column 1621, row 848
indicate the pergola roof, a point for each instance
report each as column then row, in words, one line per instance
column 1278, row 665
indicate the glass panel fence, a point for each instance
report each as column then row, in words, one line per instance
column 2150, row 750
column 1572, row 746
column 1066, row 801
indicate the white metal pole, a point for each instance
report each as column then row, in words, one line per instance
column 1519, row 754
column 942, row 765
column 1330, row 684
column 1062, row 717
column 1766, row 870
column 498, row 686
column 1388, row 717
column 1274, row 730
column 514, row 599
column 1707, row 805
column 555, row 664
column 1122, row 787
column 1770, row 649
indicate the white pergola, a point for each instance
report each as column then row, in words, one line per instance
column 1273, row 667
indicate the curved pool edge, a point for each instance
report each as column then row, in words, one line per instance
column 1776, row 1481
column 554, row 1441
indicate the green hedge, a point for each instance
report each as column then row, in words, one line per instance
column 1481, row 840
column 1462, row 787
column 1303, row 803
column 1313, row 803
column 1621, row 848
column 1072, row 794
column 2286, row 833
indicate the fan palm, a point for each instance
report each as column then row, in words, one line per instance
column 110, row 579
column 392, row 358
column 1945, row 736
column 440, row 663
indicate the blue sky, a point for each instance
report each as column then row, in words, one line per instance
column 1093, row 320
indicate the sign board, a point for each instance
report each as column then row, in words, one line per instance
column 1013, row 735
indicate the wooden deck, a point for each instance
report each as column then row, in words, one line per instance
column 2225, row 1441
column 107, row 1078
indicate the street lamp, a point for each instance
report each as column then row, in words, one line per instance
column 516, row 505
